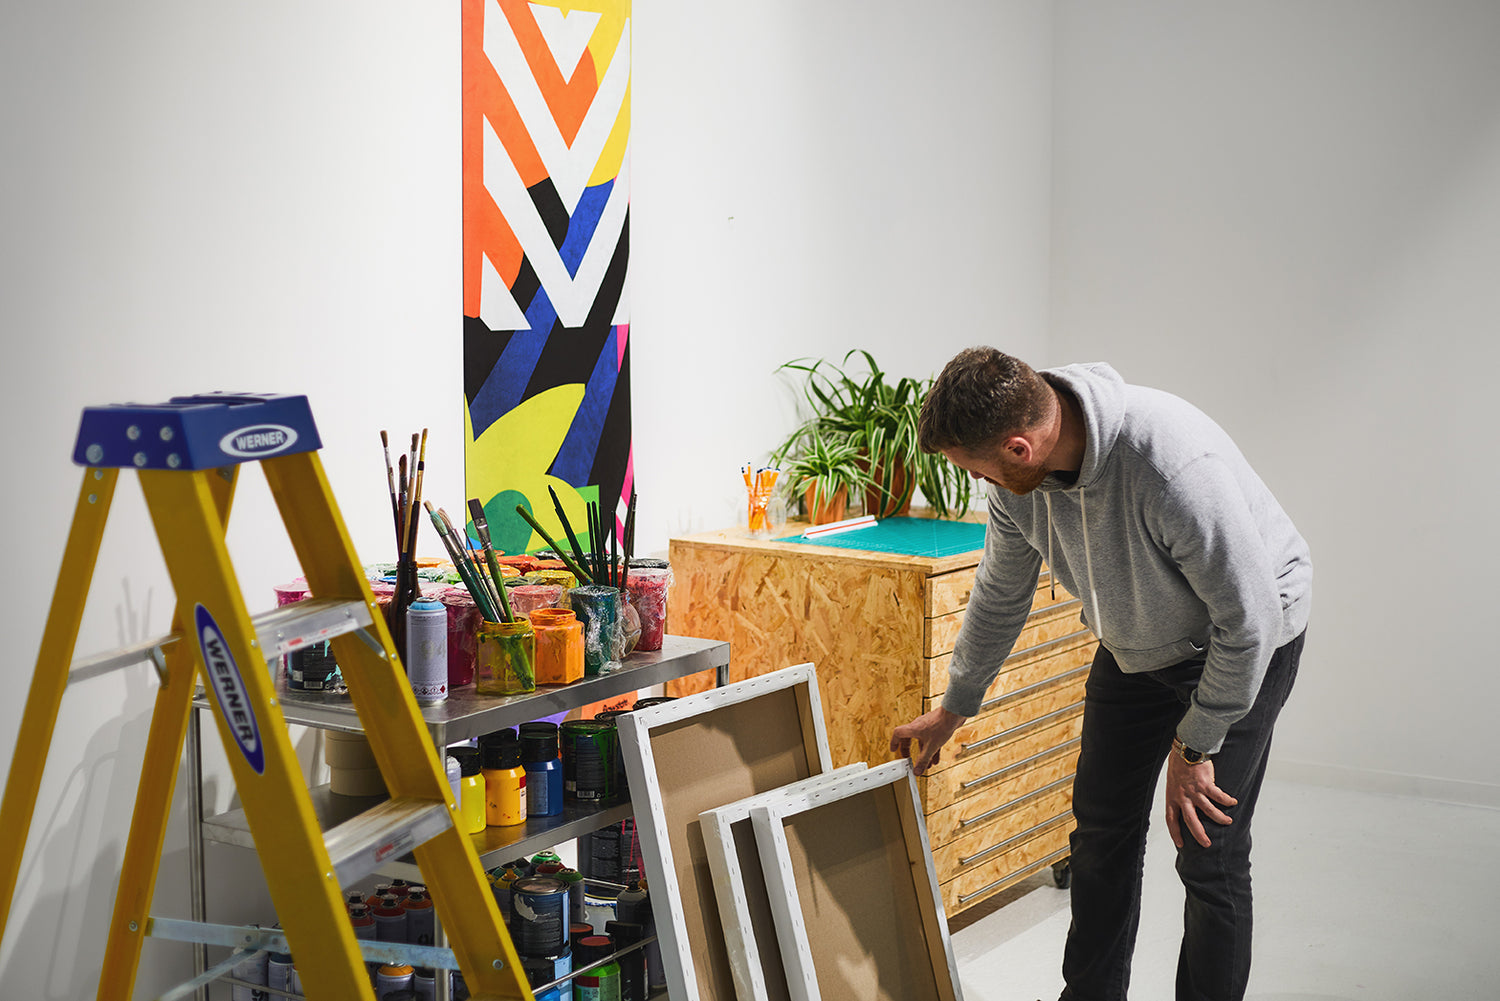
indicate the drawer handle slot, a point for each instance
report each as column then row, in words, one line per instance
column 1016, row 731
column 1030, row 832
column 1038, row 794
column 1019, row 874
column 1051, row 611
column 1022, row 694
column 1050, row 644
column 1021, row 765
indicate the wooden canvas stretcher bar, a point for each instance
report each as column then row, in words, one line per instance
column 854, row 892
column 694, row 754
column 740, row 886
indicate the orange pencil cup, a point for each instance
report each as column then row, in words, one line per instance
column 559, row 646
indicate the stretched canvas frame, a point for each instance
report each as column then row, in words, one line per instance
column 740, row 888
column 694, row 754
column 851, row 860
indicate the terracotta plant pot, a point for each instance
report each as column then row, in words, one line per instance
column 903, row 485
column 832, row 510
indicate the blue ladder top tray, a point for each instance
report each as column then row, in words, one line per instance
column 196, row 432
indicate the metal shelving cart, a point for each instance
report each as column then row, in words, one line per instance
column 465, row 714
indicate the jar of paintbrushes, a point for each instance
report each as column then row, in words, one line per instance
column 505, row 653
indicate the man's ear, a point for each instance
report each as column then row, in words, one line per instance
column 1018, row 447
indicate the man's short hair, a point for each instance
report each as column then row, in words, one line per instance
column 982, row 396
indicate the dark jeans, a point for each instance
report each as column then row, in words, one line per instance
column 1128, row 724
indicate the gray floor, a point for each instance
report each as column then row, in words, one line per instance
column 1359, row 897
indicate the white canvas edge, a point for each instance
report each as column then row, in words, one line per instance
column 770, row 839
column 729, row 880
column 634, row 732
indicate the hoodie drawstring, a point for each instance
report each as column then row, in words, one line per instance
column 1088, row 559
column 1051, row 573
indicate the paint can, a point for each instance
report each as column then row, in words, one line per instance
column 539, row 915
column 612, row 854
column 312, row 669
column 424, row 984
column 611, row 718
column 545, row 969
column 574, row 879
column 588, row 756
column 427, row 650
column 392, row 977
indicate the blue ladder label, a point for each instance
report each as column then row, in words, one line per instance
column 196, row 432
column 229, row 686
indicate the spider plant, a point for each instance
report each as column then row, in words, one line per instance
column 822, row 470
column 879, row 418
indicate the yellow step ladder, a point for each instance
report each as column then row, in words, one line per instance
column 188, row 452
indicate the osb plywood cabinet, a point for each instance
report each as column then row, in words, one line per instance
column 880, row 628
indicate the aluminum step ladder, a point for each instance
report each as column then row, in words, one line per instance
column 188, row 453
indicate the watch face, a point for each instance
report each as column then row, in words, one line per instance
column 1193, row 757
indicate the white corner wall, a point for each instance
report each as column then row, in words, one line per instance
column 200, row 197
column 1289, row 213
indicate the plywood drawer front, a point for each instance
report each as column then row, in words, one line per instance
column 949, row 592
column 957, row 798
column 1007, row 868
column 1043, row 810
column 1077, row 641
column 1042, row 626
column 1052, row 703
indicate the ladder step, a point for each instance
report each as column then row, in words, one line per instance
column 279, row 631
column 382, row 834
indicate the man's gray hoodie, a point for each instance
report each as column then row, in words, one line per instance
column 1176, row 547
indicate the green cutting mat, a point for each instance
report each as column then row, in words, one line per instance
column 908, row 536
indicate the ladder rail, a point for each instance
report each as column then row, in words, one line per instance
column 50, row 679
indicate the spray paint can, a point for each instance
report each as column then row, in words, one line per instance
column 421, row 924
column 602, row 983
column 279, row 972
column 393, row 978
column 427, row 650
column 390, row 919
column 424, row 984
column 545, row 969
column 632, row 964
column 455, row 776
column 252, row 969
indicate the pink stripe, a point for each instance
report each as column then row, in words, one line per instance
column 622, row 336
column 625, row 490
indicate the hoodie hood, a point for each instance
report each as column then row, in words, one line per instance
column 1100, row 393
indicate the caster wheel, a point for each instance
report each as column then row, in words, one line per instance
column 1062, row 875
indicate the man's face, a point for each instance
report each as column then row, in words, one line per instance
column 999, row 465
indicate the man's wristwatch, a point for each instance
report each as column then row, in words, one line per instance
column 1187, row 754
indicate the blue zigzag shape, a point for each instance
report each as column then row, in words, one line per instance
column 575, row 460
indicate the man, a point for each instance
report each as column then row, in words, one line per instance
column 1198, row 587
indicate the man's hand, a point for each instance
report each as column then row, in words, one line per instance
column 1190, row 791
column 931, row 731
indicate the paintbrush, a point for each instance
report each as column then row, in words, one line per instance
column 402, row 500
column 461, row 540
column 482, row 526
column 577, row 570
column 614, row 552
column 629, row 540
column 416, row 498
column 562, row 517
column 476, row 590
column 390, row 479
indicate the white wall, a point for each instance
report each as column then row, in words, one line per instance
column 200, row 197
column 1290, row 214
column 811, row 178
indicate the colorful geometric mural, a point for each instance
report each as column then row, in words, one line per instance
column 546, row 194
